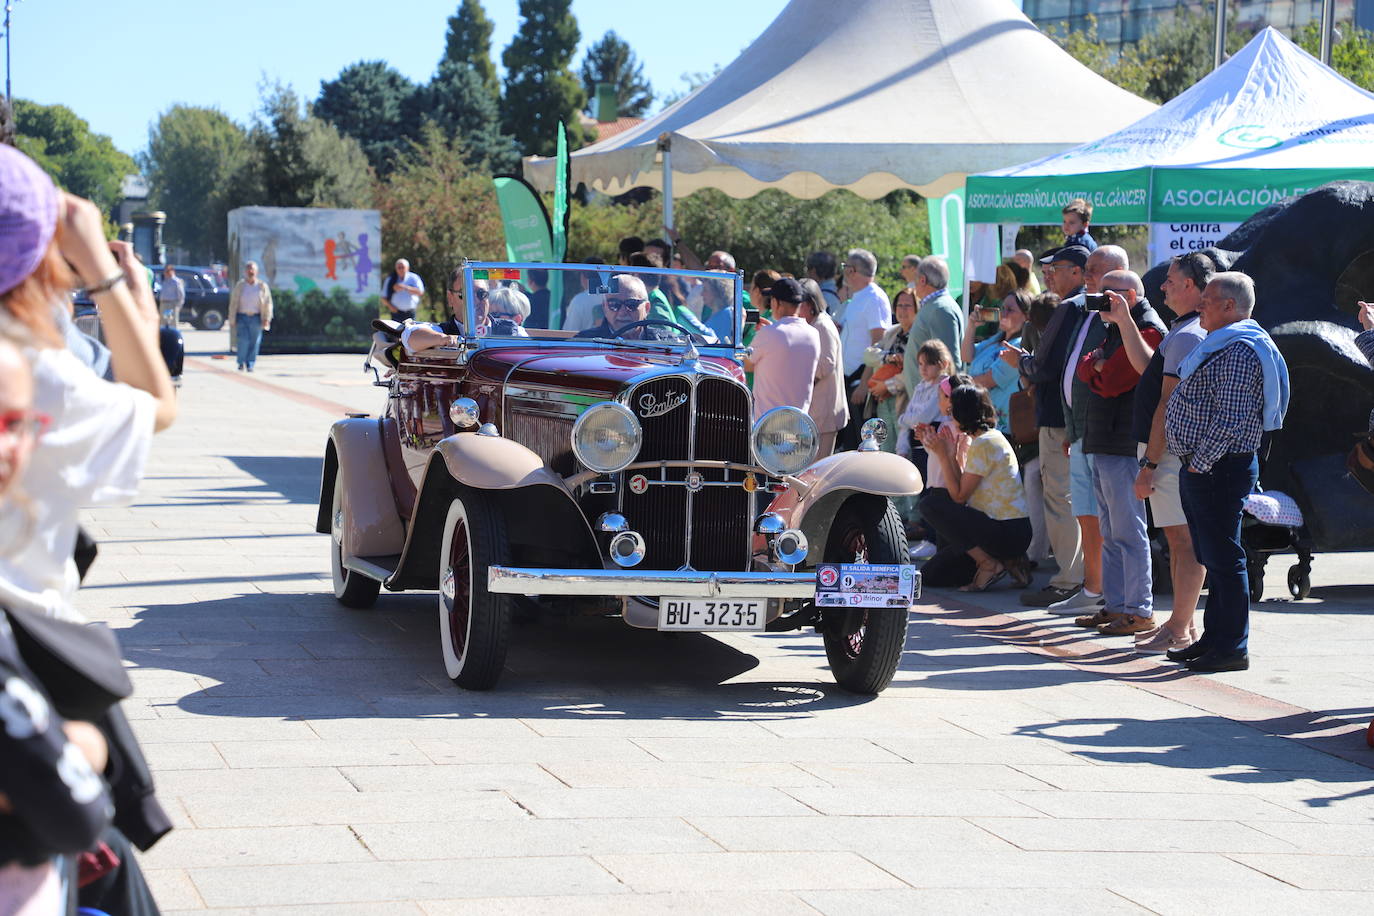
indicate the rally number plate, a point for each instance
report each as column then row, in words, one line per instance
column 706, row 614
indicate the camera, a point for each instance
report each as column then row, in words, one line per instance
column 1096, row 302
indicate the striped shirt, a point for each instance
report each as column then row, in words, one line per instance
column 1218, row 410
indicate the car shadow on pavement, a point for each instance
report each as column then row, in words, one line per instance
column 296, row 478
column 301, row 655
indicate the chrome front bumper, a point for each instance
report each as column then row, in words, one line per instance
column 650, row 583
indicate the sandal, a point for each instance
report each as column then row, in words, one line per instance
column 985, row 578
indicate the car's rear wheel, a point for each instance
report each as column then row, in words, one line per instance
column 210, row 320
column 864, row 645
column 474, row 625
column 353, row 589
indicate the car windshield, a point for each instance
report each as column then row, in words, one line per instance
column 600, row 302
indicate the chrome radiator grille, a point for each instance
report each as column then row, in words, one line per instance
column 716, row 520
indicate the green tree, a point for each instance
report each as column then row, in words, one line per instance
column 82, row 162
column 436, row 210
column 301, row 161
column 1352, row 55
column 192, row 155
column 457, row 101
column 611, row 60
column 368, row 101
column 469, row 42
column 1161, row 65
column 540, row 89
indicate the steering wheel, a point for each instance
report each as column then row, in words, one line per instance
column 691, row 335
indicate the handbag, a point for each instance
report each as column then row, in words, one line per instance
column 877, row 382
column 79, row 666
column 1021, row 416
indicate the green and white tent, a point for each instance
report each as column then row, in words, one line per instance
column 1271, row 122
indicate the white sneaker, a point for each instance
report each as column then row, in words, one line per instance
column 922, row 549
column 1078, row 605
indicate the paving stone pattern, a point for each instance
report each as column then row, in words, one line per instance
column 316, row 759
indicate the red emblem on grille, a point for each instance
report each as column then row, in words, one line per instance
column 638, row 484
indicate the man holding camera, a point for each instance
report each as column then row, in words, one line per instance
column 1109, row 437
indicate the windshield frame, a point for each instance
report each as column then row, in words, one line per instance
column 734, row 347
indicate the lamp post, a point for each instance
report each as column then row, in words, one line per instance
column 1328, row 23
column 1219, row 48
column 9, row 8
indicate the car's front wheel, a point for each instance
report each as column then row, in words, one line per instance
column 353, row 589
column 474, row 624
column 210, row 320
column 864, row 645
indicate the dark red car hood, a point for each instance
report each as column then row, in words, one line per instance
column 598, row 370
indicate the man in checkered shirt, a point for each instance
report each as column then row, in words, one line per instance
column 1233, row 387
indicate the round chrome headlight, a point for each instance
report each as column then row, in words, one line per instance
column 785, row 441
column 606, row 437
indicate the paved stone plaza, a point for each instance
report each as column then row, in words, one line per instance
column 317, row 759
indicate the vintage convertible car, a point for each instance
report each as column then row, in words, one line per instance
column 612, row 472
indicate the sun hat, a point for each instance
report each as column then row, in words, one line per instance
column 28, row 216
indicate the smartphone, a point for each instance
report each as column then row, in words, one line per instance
column 990, row 313
column 751, row 317
column 1096, row 302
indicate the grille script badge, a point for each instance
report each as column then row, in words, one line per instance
column 651, row 406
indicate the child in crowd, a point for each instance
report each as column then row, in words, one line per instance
column 1078, row 215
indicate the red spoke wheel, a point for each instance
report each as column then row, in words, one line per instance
column 864, row 645
column 351, row 588
column 474, row 625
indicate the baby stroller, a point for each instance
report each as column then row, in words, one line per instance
column 1271, row 522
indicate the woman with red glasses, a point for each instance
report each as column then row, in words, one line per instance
column 99, row 433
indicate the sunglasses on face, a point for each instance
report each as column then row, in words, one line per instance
column 628, row 305
column 509, row 316
column 19, row 422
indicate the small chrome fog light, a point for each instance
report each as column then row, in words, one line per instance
column 873, row 433
column 769, row 524
column 463, row 413
column 627, row 549
column 612, row 521
column 791, row 547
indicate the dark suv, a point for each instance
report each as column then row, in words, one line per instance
column 207, row 299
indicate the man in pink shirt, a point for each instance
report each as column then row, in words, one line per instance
column 786, row 352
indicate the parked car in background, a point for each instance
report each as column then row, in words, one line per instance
column 616, row 472
column 207, row 295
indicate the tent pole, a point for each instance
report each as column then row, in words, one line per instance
column 1219, row 48
column 665, row 147
column 1328, row 24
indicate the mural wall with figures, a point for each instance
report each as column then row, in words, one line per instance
column 305, row 248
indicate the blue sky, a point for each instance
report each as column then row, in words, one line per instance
column 119, row 65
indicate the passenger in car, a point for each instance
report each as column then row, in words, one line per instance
column 500, row 313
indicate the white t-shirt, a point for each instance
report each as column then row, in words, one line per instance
column 867, row 310
column 93, row 454
column 584, row 311
column 403, row 300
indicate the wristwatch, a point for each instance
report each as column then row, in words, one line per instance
column 1147, row 463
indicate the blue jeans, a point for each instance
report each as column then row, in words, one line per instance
column 1126, row 583
column 1212, row 504
column 248, row 332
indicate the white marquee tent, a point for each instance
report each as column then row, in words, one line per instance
column 869, row 95
column 1270, row 122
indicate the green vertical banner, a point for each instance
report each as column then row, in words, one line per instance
column 561, row 186
column 947, row 233
column 526, row 221
column 528, row 238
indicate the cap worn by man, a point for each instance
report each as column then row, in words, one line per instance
column 1076, row 255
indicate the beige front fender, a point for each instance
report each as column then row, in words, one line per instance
column 372, row 526
column 494, row 463
column 815, row 495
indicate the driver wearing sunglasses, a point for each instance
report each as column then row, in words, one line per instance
column 624, row 307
